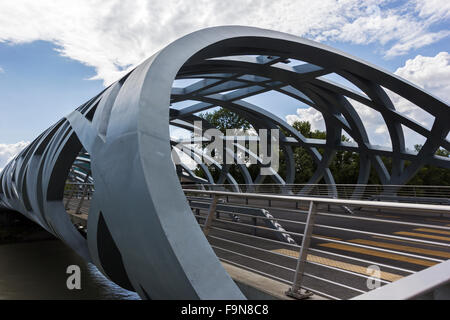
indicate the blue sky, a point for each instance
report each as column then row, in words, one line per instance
column 38, row 87
column 55, row 55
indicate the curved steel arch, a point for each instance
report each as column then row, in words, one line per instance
column 141, row 232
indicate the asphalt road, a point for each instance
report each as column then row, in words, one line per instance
column 329, row 271
column 330, row 268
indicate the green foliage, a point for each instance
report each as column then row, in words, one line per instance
column 429, row 175
column 224, row 119
column 344, row 166
column 440, row 152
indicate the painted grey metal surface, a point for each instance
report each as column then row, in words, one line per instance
column 431, row 283
column 141, row 231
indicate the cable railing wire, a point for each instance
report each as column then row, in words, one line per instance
column 251, row 245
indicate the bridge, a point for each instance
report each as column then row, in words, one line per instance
column 259, row 237
column 108, row 179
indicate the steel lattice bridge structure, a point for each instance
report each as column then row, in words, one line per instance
column 141, row 232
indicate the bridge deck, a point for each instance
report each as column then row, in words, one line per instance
column 340, row 269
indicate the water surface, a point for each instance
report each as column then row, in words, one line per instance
column 37, row 270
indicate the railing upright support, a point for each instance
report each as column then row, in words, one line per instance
column 83, row 195
column 211, row 214
column 72, row 191
column 296, row 290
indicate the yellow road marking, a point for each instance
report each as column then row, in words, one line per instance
column 340, row 265
column 407, row 241
column 433, row 231
column 404, row 248
column 326, row 237
column 375, row 253
column 422, row 235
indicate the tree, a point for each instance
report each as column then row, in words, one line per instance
column 344, row 166
column 224, row 119
column 429, row 175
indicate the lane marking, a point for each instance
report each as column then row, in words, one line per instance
column 422, row 235
column 408, row 241
column 403, row 248
column 326, row 237
column 340, row 265
column 433, row 231
column 371, row 252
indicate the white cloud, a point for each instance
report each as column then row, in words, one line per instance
column 1, row 70
column 8, row 151
column 399, row 27
column 113, row 36
column 430, row 73
column 433, row 9
column 311, row 115
column 416, row 40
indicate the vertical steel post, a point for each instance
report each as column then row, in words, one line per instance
column 210, row 217
column 296, row 291
column 86, row 180
column 83, row 195
column 72, row 191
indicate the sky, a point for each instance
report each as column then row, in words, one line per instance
column 55, row 55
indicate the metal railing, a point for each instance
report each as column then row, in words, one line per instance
column 432, row 283
column 77, row 197
column 313, row 262
column 399, row 193
column 253, row 247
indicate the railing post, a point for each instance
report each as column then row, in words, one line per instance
column 83, row 195
column 210, row 217
column 296, row 290
column 72, row 191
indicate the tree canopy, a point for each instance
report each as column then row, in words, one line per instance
column 344, row 166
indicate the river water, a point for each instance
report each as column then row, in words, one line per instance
column 37, row 270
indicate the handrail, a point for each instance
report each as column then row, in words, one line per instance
column 357, row 203
column 244, row 248
column 413, row 286
column 397, row 193
column 325, row 185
